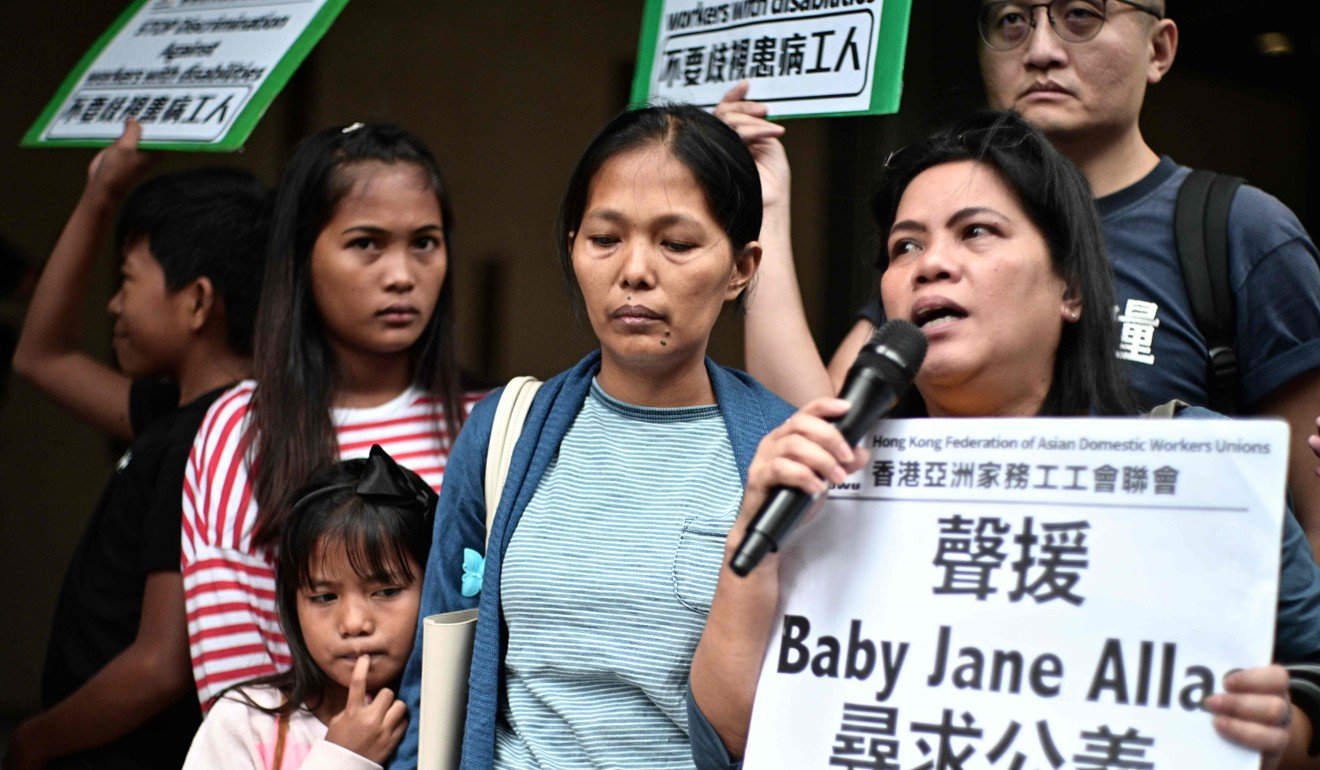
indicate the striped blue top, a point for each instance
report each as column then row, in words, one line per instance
column 606, row 586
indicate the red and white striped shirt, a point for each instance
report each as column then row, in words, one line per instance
column 229, row 586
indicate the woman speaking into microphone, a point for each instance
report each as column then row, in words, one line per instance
column 992, row 247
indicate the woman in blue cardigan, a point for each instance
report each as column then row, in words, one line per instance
column 605, row 551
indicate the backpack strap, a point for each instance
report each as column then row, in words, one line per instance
column 1168, row 410
column 1201, row 231
column 1304, row 692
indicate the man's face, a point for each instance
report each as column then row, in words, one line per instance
column 1077, row 91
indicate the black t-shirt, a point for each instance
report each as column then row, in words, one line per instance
column 133, row 532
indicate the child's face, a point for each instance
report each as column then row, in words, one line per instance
column 152, row 325
column 377, row 266
column 344, row 616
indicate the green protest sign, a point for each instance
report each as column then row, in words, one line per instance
column 197, row 74
column 803, row 57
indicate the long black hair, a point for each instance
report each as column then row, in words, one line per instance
column 295, row 367
column 709, row 149
column 1087, row 376
column 381, row 515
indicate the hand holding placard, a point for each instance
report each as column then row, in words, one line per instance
column 116, row 169
column 1254, row 711
column 196, row 76
column 762, row 139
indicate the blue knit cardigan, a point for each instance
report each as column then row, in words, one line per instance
column 749, row 411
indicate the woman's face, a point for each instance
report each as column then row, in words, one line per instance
column 378, row 264
column 653, row 265
column 970, row 268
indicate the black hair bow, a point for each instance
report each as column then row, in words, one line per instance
column 385, row 481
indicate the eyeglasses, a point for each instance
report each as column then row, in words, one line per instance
column 1003, row 26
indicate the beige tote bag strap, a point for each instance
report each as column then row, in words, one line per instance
column 447, row 637
column 510, row 414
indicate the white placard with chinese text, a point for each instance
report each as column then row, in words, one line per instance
column 1063, row 591
column 197, row 74
column 803, row 57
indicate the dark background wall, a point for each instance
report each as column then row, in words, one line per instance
column 507, row 94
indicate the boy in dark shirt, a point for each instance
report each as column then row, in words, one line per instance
column 117, row 686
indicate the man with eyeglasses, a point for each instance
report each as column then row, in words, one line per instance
column 1078, row 70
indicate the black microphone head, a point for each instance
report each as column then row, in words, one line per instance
column 897, row 343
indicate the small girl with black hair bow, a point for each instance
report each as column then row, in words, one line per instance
column 348, row 583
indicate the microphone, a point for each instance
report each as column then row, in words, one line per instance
column 881, row 375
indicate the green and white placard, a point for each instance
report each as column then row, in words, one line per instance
column 197, row 74
column 803, row 57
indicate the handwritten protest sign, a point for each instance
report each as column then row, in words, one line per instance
column 1027, row 595
column 197, row 74
column 803, row 57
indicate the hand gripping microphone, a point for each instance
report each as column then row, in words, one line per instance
column 883, row 371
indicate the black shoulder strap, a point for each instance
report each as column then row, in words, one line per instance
column 1168, row 410
column 1201, row 229
column 1304, row 691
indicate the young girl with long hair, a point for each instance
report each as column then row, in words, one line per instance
column 355, row 346
column 347, row 589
